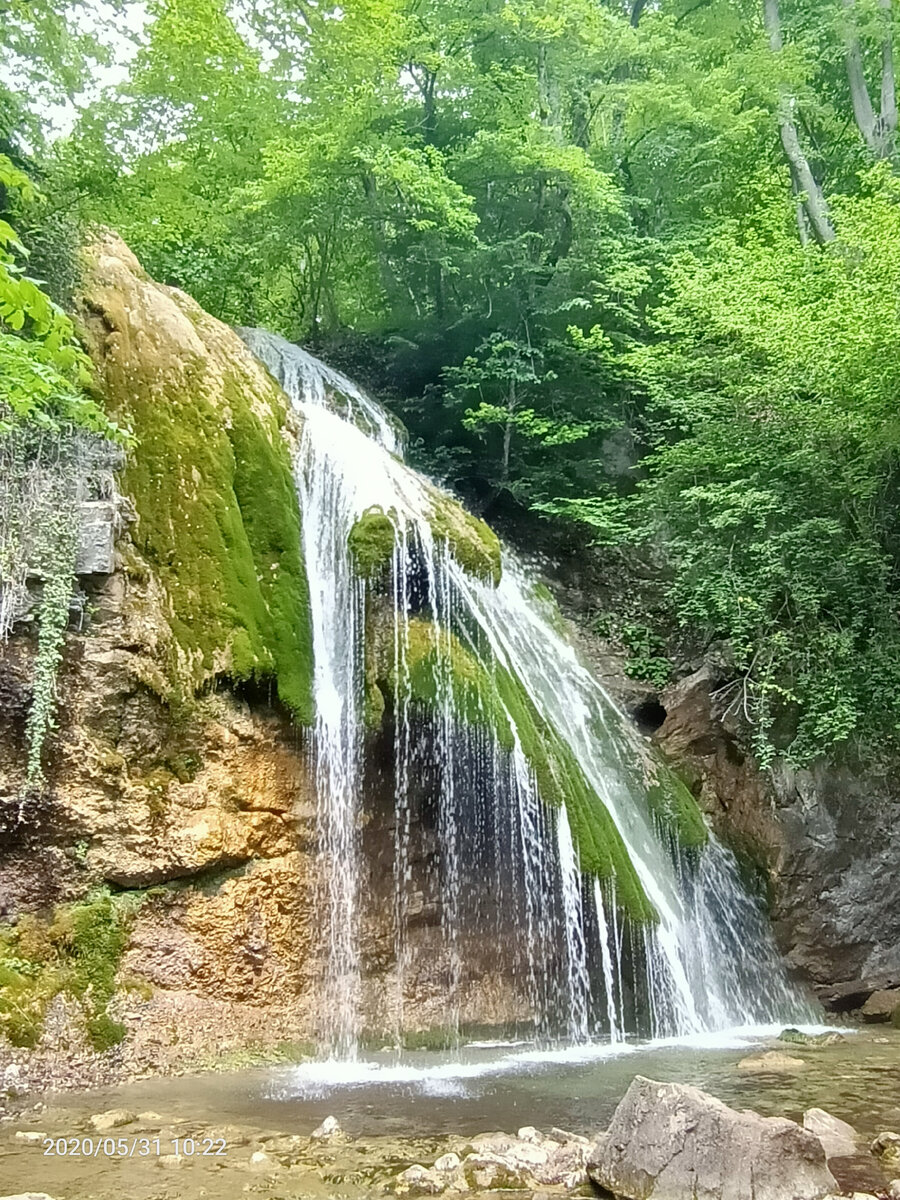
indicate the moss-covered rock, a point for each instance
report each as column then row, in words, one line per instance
column 439, row 665
column 490, row 696
column 78, row 952
column 472, row 543
column 371, row 542
column 674, row 807
column 562, row 782
column 218, row 522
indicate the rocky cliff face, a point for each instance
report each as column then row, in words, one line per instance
column 158, row 895
column 821, row 845
column 825, row 843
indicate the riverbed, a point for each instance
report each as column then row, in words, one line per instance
column 201, row 1131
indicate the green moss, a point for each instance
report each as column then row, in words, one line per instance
column 431, row 666
column 373, row 705
column 561, row 781
column 218, row 522
column 673, row 805
column 496, row 699
column 79, row 953
column 472, row 543
column 371, row 541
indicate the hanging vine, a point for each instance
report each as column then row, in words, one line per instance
column 57, row 450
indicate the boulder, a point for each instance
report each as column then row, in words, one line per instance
column 844, row 997
column 837, row 1137
column 881, row 1005
column 773, row 1062
column 674, row 1142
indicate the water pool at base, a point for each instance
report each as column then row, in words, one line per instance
column 504, row 1086
column 401, row 1112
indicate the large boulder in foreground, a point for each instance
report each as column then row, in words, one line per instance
column 672, row 1142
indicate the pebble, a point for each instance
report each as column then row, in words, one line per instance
column 28, row 1196
column 113, row 1118
column 30, row 1137
column 328, row 1129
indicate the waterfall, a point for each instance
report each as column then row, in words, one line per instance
column 614, row 927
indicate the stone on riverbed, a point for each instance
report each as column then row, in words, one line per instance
column 113, row 1118
column 887, row 1147
column 773, row 1062
column 327, row 1130
column 837, row 1137
column 675, row 1142
column 499, row 1161
column 28, row 1196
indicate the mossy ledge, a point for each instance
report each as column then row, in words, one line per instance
column 472, row 543
column 492, row 697
column 673, row 805
column 218, row 521
column 78, row 951
column 371, row 542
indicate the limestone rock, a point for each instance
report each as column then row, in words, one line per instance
column 30, row 1137
column 881, row 1005
column 486, row 1170
column 97, row 524
column 419, row 1181
column 328, row 1129
column 448, row 1162
column 113, row 1118
column 837, row 1137
column 28, row 1196
column 893, row 1190
column 675, row 1142
column 773, row 1062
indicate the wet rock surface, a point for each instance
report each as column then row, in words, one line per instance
column 673, row 1141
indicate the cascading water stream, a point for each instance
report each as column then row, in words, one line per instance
column 705, row 962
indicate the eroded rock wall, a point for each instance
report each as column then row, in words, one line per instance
column 158, row 893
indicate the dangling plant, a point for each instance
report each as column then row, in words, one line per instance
column 57, row 449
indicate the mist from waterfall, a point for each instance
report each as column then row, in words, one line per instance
column 585, row 972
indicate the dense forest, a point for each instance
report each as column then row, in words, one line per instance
column 630, row 268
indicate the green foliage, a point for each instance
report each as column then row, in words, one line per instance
column 77, row 952
column 774, row 470
column 55, row 548
column 54, row 439
column 565, row 236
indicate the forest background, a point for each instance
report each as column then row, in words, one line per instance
column 629, row 273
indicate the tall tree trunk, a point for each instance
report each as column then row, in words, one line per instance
column 806, row 187
column 878, row 129
column 637, row 10
column 889, row 113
